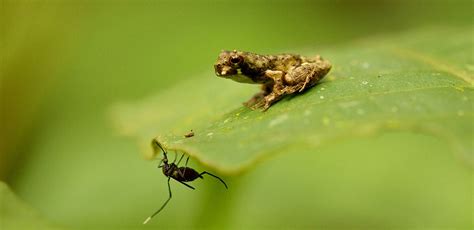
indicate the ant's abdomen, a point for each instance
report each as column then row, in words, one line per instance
column 186, row 174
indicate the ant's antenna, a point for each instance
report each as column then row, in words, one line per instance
column 156, row 143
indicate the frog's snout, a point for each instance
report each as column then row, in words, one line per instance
column 223, row 70
column 218, row 69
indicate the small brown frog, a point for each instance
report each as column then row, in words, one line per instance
column 190, row 134
column 279, row 75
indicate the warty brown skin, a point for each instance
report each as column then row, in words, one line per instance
column 279, row 75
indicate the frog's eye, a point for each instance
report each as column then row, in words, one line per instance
column 235, row 59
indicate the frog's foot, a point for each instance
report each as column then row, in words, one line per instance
column 260, row 104
column 308, row 80
column 268, row 101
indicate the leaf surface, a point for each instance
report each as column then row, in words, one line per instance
column 408, row 82
column 16, row 214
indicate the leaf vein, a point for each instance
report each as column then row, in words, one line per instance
column 434, row 62
column 383, row 93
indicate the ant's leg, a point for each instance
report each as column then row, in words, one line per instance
column 175, row 156
column 213, row 176
column 186, row 166
column 180, row 159
column 183, row 173
column 166, row 202
column 187, row 185
column 187, row 159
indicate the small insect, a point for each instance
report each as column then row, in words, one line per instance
column 190, row 134
column 279, row 75
column 180, row 174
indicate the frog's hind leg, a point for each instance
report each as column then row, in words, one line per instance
column 305, row 76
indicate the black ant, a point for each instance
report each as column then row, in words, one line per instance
column 180, row 174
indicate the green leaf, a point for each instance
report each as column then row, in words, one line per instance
column 407, row 82
column 15, row 214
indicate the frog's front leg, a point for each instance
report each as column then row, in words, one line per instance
column 306, row 75
column 275, row 90
column 260, row 96
column 257, row 98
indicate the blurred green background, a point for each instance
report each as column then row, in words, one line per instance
column 64, row 63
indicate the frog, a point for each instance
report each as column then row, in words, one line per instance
column 279, row 75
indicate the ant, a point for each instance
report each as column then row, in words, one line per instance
column 180, row 174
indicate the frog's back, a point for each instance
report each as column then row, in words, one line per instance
column 311, row 59
column 284, row 62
